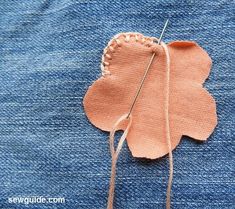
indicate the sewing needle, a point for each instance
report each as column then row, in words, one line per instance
column 146, row 71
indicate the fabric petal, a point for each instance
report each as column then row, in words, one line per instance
column 193, row 110
column 189, row 61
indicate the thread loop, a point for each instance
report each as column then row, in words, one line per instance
column 115, row 153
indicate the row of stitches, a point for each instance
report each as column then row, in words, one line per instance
column 117, row 42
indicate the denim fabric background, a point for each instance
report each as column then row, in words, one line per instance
column 50, row 54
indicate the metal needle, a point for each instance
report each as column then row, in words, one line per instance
column 146, row 71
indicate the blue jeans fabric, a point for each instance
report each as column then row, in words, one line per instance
column 50, row 52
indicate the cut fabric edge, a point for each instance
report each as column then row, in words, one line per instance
column 186, row 43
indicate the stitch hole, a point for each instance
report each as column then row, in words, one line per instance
column 111, row 48
column 106, row 71
column 136, row 37
column 148, row 42
column 143, row 40
column 106, row 63
column 127, row 38
column 118, row 42
column 108, row 56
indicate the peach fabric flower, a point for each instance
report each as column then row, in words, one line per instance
column 192, row 110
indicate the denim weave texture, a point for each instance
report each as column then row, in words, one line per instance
column 50, row 53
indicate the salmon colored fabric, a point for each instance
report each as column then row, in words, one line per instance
column 192, row 110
